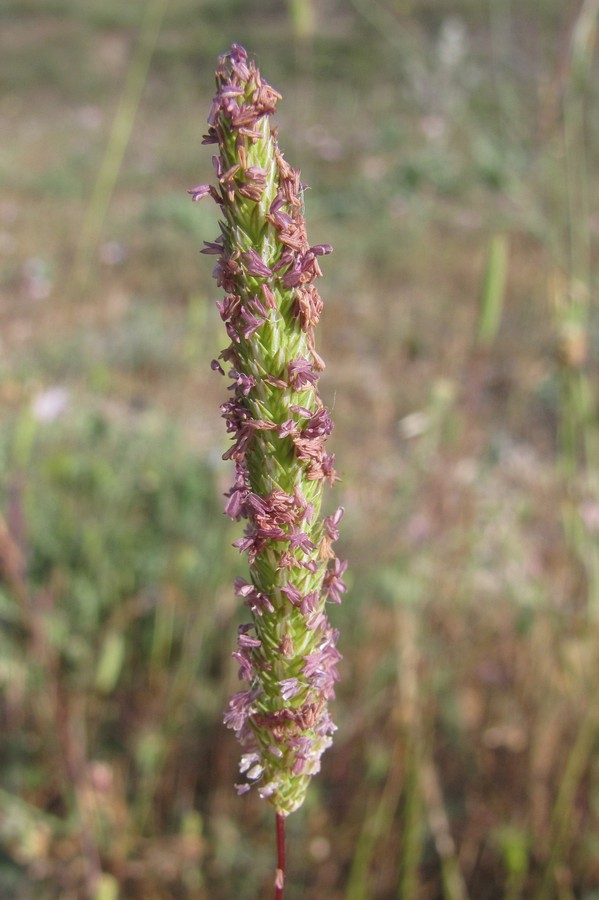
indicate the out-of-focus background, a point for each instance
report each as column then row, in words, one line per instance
column 452, row 148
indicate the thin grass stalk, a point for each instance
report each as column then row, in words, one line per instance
column 403, row 779
column 493, row 294
column 413, row 831
column 118, row 141
column 514, row 845
column 426, row 800
column 281, row 857
column 578, row 425
column 412, row 824
column 304, row 27
column 501, row 29
column 560, row 840
column 574, row 309
column 377, row 823
column 454, row 886
column 302, row 15
column 574, row 127
column 385, row 23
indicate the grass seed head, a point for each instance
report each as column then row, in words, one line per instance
column 279, row 426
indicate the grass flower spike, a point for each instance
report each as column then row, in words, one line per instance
column 279, row 426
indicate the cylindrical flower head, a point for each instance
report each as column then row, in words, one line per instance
column 279, row 427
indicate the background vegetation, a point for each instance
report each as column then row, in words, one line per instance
column 452, row 150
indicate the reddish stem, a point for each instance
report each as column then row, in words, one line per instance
column 280, row 876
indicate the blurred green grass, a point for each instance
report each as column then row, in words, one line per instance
column 464, row 391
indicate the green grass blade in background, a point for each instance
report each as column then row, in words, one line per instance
column 118, row 141
column 493, row 295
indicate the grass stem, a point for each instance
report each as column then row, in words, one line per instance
column 454, row 887
column 281, row 863
column 565, row 803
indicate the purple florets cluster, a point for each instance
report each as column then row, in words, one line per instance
column 279, row 428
